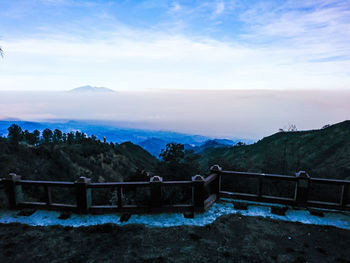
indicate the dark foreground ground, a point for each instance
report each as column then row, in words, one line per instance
column 231, row 238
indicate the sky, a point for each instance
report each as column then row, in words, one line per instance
column 153, row 44
column 228, row 68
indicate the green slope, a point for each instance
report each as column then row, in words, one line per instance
column 65, row 162
column 322, row 153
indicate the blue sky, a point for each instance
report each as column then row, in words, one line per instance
column 137, row 45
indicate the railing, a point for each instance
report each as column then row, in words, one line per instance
column 202, row 196
column 299, row 190
column 303, row 190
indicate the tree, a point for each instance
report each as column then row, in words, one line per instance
column 78, row 137
column 292, row 128
column 31, row 138
column 173, row 153
column 36, row 137
column 176, row 163
column 70, row 138
column 57, row 136
column 47, row 135
column 26, row 135
column 171, row 159
column 15, row 134
column 64, row 137
column 1, row 52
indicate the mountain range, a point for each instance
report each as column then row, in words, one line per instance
column 88, row 88
column 322, row 153
column 151, row 140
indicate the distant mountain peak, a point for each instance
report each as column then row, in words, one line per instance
column 89, row 88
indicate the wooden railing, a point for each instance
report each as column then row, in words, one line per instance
column 205, row 191
column 300, row 194
column 203, row 194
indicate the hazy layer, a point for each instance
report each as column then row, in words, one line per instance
column 246, row 114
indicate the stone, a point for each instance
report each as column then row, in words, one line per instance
column 316, row 212
column 64, row 215
column 189, row 214
column 240, row 206
column 277, row 210
column 125, row 217
column 26, row 212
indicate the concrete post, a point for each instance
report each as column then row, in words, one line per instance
column 13, row 191
column 344, row 195
column 216, row 169
column 83, row 195
column 302, row 188
column 156, row 191
column 198, row 193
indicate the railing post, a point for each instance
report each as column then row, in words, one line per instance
column 13, row 191
column 198, row 193
column 216, row 169
column 302, row 188
column 83, row 194
column 120, row 197
column 48, row 195
column 156, row 191
column 344, row 195
column 260, row 185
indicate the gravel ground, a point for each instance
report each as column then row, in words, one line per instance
column 230, row 238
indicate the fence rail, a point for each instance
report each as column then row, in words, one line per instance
column 201, row 198
column 205, row 191
column 301, row 197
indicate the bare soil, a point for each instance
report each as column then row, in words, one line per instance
column 231, row 238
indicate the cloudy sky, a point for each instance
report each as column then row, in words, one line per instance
column 221, row 68
column 62, row 44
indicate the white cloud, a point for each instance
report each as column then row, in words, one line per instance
column 163, row 61
column 175, row 7
column 284, row 47
column 220, row 8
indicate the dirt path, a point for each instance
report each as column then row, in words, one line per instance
column 231, row 238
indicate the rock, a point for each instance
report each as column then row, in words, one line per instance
column 125, row 217
column 64, row 215
column 316, row 212
column 277, row 210
column 26, row 212
column 189, row 214
column 240, row 206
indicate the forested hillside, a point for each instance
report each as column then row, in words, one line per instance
column 57, row 156
column 54, row 155
column 322, row 153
